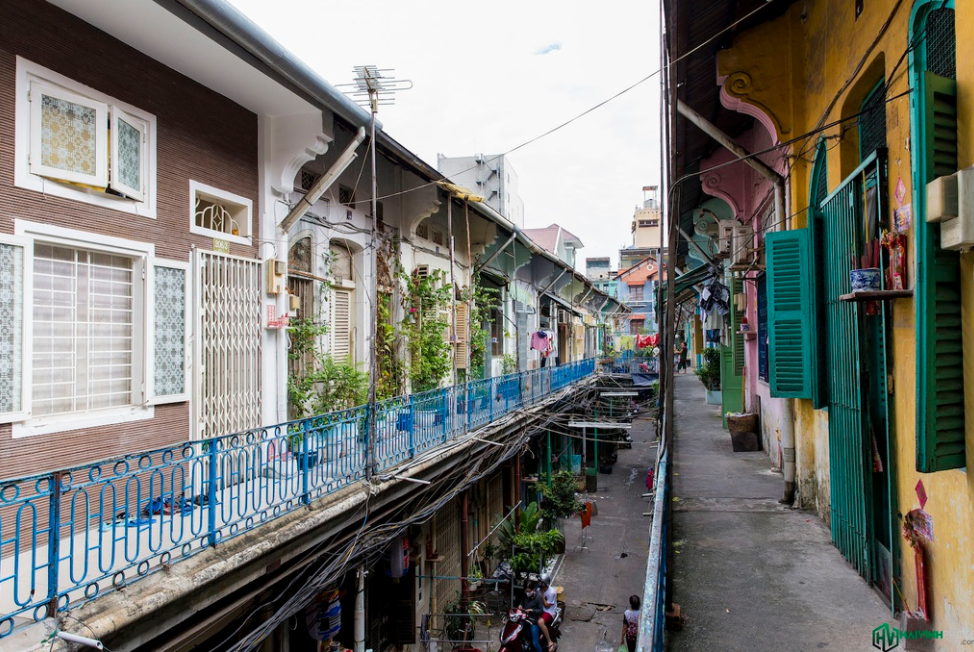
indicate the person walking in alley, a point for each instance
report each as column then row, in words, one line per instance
column 630, row 624
column 684, row 361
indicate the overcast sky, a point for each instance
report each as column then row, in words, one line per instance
column 490, row 76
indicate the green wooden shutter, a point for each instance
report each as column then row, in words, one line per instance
column 816, row 229
column 737, row 344
column 940, row 369
column 790, row 324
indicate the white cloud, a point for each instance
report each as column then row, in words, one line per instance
column 480, row 86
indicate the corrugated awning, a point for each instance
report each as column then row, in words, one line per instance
column 638, row 315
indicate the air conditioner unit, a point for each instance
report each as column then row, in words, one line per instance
column 421, row 271
column 726, row 236
column 742, row 244
column 564, row 317
column 957, row 233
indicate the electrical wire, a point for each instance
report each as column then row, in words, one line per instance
column 328, row 573
column 594, row 107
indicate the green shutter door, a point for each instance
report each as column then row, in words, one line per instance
column 816, row 227
column 790, row 323
column 732, row 359
column 940, row 370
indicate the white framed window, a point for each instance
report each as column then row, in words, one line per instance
column 342, row 309
column 75, row 142
column 220, row 214
column 100, row 330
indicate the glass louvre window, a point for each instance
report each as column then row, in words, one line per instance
column 83, row 331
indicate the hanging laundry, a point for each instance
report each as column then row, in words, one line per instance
column 540, row 341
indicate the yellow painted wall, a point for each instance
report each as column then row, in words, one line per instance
column 802, row 70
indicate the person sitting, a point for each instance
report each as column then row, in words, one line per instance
column 549, row 598
column 534, row 606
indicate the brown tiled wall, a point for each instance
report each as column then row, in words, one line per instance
column 201, row 136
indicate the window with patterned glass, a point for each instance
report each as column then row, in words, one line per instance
column 83, row 335
column 78, row 139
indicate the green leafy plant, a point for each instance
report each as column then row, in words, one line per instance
column 528, row 521
column 508, row 364
column 389, row 380
column 425, row 300
column 709, row 371
column 457, row 621
column 483, row 301
column 532, row 550
column 559, row 500
column 326, row 387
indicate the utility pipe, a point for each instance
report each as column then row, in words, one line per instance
column 786, row 426
column 453, row 289
column 552, row 284
column 360, row 611
column 496, row 253
column 464, row 543
column 325, row 182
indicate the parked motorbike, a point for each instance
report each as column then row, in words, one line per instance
column 516, row 635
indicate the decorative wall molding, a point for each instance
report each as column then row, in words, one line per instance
column 736, row 94
column 295, row 140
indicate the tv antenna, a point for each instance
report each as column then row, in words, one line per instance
column 372, row 89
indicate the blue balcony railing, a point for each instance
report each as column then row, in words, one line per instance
column 68, row 536
column 652, row 618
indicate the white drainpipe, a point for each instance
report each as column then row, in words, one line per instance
column 787, row 426
column 360, row 612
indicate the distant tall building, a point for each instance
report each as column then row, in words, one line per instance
column 489, row 175
column 600, row 272
column 647, row 230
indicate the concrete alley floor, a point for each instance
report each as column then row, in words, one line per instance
column 748, row 573
column 598, row 580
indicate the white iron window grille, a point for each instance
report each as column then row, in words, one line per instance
column 228, row 356
column 83, row 337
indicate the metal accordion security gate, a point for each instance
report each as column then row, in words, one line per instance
column 228, row 327
column 856, row 359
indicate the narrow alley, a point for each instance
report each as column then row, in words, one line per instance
column 749, row 573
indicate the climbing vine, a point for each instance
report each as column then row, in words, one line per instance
column 426, row 300
column 483, row 301
column 316, row 383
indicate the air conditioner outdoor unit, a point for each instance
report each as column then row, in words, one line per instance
column 726, row 236
column 742, row 244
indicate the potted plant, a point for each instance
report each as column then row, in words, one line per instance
column 458, row 624
column 709, row 375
